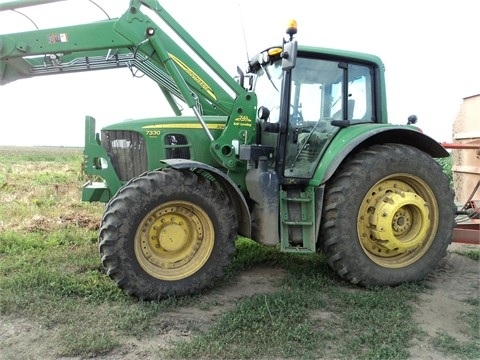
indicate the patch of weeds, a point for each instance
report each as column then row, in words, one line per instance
column 472, row 318
column 53, row 177
column 259, row 326
column 87, row 342
column 473, row 254
column 447, row 344
column 469, row 349
column 377, row 321
column 249, row 254
column 446, row 164
column 353, row 323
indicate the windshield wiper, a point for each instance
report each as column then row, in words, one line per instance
column 269, row 77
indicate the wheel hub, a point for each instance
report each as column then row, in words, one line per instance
column 172, row 238
column 395, row 220
column 400, row 221
column 174, row 241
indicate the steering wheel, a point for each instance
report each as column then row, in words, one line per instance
column 296, row 115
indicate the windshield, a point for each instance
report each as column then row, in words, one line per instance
column 317, row 90
column 267, row 88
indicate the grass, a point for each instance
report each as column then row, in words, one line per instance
column 450, row 346
column 469, row 349
column 446, row 164
column 473, row 254
column 51, row 275
column 307, row 313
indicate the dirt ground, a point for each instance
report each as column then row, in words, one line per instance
column 455, row 280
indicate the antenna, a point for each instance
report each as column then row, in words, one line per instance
column 243, row 32
column 21, row 13
column 94, row 3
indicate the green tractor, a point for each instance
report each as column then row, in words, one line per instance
column 294, row 151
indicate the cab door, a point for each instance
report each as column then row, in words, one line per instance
column 325, row 96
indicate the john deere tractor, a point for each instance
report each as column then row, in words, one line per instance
column 293, row 151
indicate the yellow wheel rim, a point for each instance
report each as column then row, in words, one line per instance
column 174, row 240
column 397, row 221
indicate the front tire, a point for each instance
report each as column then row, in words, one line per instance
column 388, row 216
column 167, row 233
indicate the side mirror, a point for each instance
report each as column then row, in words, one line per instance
column 289, row 56
column 412, row 120
column 263, row 113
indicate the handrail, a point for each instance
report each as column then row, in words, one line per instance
column 17, row 4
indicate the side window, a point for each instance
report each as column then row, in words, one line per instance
column 177, row 146
column 336, row 109
column 310, row 102
column 317, row 89
column 359, row 93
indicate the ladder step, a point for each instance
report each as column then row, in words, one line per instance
column 297, row 231
column 299, row 223
column 307, row 199
column 298, row 250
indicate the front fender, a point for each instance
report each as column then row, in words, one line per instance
column 355, row 137
column 228, row 186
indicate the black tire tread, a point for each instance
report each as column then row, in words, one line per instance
column 341, row 246
column 117, row 226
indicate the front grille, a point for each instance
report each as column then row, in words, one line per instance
column 127, row 152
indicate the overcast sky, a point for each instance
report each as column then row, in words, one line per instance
column 430, row 50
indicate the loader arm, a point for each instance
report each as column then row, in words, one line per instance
column 160, row 48
column 147, row 38
column 117, row 43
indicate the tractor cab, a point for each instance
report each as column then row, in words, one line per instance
column 324, row 94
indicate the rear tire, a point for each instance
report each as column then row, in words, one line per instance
column 388, row 216
column 167, row 233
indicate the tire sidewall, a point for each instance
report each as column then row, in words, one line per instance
column 375, row 169
column 143, row 197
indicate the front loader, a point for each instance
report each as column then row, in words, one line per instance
column 294, row 151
